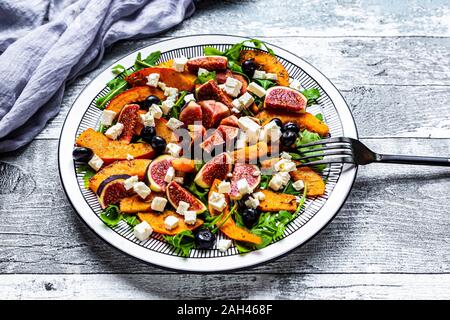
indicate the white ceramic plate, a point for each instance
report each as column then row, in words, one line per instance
column 316, row 214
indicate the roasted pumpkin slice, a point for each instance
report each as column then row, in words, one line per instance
column 251, row 153
column 112, row 150
column 304, row 121
column 135, row 203
column 156, row 221
column 228, row 226
column 163, row 131
column 313, row 181
column 268, row 63
column 172, row 78
column 133, row 95
column 275, row 202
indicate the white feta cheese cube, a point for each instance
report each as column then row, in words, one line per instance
column 189, row 97
column 142, row 231
column 141, row 189
column 246, row 100
column 285, row 177
column 115, row 131
column 259, row 195
column 285, row 155
column 252, row 136
column 271, row 76
column 179, row 180
column 153, row 79
column 224, row 187
column 276, row 182
column 162, row 86
column 169, row 175
column 190, row 217
column 202, row 72
column 129, row 157
column 298, row 185
column 130, row 182
column 158, row 204
column 232, row 82
column 231, row 91
column 224, row 244
column 243, row 186
column 252, row 202
column 171, row 222
column 247, row 124
column 173, row 149
column 234, row 110
column 217, row 201
column 236, row 104
column 108, row 117
column 179, row 63
column 241, row 141
column 259, row 74
column 169, row 91
column 155, row 111
column 270, row 132
column 147, row 119
column 167, row 105
column 95, row 162
column 182, row 207
column 295, row 84
column 285, row 165
column 173, row 124
column 256, row 89
column 232, row 86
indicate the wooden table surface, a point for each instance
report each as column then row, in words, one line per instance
column 391, row 61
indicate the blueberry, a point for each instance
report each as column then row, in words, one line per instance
column 277, row 122
column 250, row 216
column 288, row 138
column 249, row 67
column 148, row 133
column 82, row 154
column 291, row 126
column 158, row 144
column 151, row 100
column 205, row 239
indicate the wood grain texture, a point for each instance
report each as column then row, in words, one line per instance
column 258, row 286
column 390, row 223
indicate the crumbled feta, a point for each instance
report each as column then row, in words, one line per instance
column 232, row 86
column 234, row 110
column 295, row 84
column 179, row 180
column 169, row 91
column 217, row 201
column 158, row 204
column 141, row 189
column 259, row 195
column 231, row 91
column 285, row 155
column 252, row 202
column 169, row 175
column 190, row 217
column 246, row 100
column 162, row 86
column 95, row 162
column 270, row 132
column 182, row 207
column 142, row 231
column 246, row 124
column 189, row 97
column 167, row 105
column 129, row 157
column 153, row 79
column 108, row 117
column 298, row 185
column 173, row 124
column 285, row 165
column 276, row 182
column 173, row 149
column 285, row 177
column 271, row 76
column 147, row 119
column 224, row 244
column 236, row 104
column 259, row 74
column 179, row 63
column 202, row 72
column 243, row 186
column 224, row 187
column 115, row 131
column 256, row 89
column 155, row 111
column 130, row 182
column 171, row 222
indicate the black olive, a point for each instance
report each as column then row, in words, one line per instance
column 288, row 138
column 82, row 154
column 205, row 239
column 148, row 133
column 250, row 216
column 249, row 67
column 291, row 126
column 151, row 100
column 277, row 122
column 158, row 144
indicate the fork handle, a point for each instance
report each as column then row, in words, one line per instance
column 420, row 160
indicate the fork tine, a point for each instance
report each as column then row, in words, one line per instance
column 325, row 141
column 343, row 146
column 330, row 153
column 344, row 159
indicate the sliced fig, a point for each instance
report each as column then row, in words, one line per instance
column 231, row 121
column 212, row 141
column 213, row 113
column 228, row 133
column 211, row 91
column 285, row 99
column 216, row 168
column 210, row 63
column 191, row 113
column 111, row 190
column 176, row 193
column 250, row 172
column 221, row 77
column 156, row 172
column 129, row 118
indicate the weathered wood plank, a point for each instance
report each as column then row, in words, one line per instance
column 395, row 220
column 260, row 286
column 320, row 18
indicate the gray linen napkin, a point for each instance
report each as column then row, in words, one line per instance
column 40, row 56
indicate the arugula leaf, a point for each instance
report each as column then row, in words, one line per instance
column 102, row 128
column 111, row 215
column 148, row 62
column 289, row 189
column 176, row 109
column 235, row 67
column 183, row 241
column 132, row 221
column 211, row 51
column 311, row 95
column 199, row 164
column 116, row 86
column 88, row 173
column 201, row 193
column 265, row 179
column 118, row 69
column 319, row 116
column 203, row 78
column 266, row 84
column 306, row 137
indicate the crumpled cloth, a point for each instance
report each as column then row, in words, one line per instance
column 46, row 43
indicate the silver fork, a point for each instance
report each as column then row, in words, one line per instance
column 348, row 150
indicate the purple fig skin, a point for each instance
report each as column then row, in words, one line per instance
column 112, row 189
column 148, row 175
column 110, row 179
